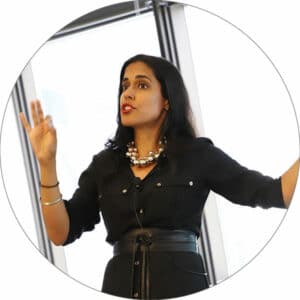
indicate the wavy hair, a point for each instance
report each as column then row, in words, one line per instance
column 178, row 122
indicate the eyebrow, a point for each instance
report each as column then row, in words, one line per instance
column 137, row 76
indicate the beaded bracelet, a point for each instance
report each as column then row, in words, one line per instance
column 49, row 186
column 52, row 202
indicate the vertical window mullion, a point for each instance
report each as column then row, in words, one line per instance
column 22, row 93
column 164, row 27
column 211, row 234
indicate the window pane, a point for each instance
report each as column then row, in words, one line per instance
column 14, row 174
column 77, row 78
column 242, row 99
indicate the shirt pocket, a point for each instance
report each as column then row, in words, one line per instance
column 177, row 185
column 177, row 196
column 115, row 203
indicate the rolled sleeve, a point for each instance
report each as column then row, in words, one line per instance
column 83, row 208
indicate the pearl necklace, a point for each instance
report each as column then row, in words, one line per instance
column 149, row 159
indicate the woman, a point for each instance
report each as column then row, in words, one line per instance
column 150, row 184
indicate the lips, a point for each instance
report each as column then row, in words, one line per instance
column 127, row 108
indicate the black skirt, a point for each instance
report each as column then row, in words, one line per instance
column 171, row 274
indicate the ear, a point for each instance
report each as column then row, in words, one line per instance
column 166, row 104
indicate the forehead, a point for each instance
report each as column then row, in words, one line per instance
column 138, row 68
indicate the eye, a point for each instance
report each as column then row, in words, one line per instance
column 142, row 85
column 124, row 87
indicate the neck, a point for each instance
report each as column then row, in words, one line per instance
column 145, row 141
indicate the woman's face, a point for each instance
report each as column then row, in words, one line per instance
column 141, row 102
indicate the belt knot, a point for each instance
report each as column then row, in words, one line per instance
column 145, row 239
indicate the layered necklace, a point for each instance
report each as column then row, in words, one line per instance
column 147, row 160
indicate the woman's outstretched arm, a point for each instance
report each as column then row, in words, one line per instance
column 288, row 183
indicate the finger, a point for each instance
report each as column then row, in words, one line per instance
column 49, row 123
column 24, row 122
column 39, row 111
column 34, row 114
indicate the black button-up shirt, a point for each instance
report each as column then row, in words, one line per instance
column 171, row 196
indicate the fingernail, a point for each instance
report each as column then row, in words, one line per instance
column 50, row 123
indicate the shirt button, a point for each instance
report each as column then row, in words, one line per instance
column 158, row 184
column 135, row 295
column 137, row 186
column 136, row 263
column 191, row 183
column 141, row 211
column 124, row 191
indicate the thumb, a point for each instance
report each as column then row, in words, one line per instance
column 49, row 123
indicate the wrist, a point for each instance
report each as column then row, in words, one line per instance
column 48, row 174
column 48, row 164
column 47, row 186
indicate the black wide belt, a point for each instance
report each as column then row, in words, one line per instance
column 155, row 239
column 140, row 242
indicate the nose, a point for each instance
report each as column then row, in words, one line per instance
column 128, row 94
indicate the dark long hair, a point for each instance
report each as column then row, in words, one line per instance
column 178, row 122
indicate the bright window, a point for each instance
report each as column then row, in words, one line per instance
column 247, row 112
column 76, row 77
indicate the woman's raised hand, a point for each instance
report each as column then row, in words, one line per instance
column 42, row 135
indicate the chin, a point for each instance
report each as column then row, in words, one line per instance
column 126, row 123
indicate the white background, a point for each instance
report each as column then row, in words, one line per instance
column 24, row 26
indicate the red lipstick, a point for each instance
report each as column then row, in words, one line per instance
column 126, row 108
